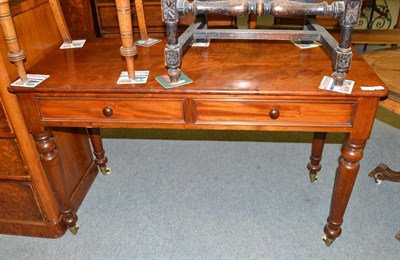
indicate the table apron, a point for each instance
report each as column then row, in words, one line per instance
column 199, row 113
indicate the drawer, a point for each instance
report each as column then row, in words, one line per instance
column 117, row 109
column 258, row 112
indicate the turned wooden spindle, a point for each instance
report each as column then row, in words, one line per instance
column 60, row 20
column 128, row 49
column 252, row 22
column 141, row 20
column 15, row 54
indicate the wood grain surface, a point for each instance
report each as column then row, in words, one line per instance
column 28, row 205
column 5, row 129
column 386, row 64
column 226, row 67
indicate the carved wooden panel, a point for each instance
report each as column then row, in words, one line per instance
column 17, row 201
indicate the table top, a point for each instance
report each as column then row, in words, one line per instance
column 225, row 67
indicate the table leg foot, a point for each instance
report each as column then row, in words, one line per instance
column 313, row 177
column 327, row 241
column 338, row 78
column 174, row 74
column 74, row 229
column 105, row 170
column 397, row 236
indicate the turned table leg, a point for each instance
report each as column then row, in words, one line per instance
column 352, row 152
column 98, row 150
column 316, row 155
column 52, row 164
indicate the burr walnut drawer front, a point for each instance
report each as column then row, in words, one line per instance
column 256, row 112
column 113, row 109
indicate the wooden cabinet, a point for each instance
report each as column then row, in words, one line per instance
column 28, row 199
column 108, row 22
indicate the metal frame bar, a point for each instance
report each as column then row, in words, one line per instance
column 248, row 34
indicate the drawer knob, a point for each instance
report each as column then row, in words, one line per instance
column 274, row 113
column 107, row 111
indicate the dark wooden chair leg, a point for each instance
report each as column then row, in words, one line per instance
column 173, row 51
column 343, row 54
column 98, row 150
column 383, row 172
column 316, row 155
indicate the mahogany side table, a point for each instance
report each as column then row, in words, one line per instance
column 237, row 85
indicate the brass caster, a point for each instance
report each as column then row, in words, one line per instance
column 74, row 229
column 378, row 178
column 313, row 177
column 105, row 170
column 327, row 241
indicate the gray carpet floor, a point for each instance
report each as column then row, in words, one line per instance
column 226, row 195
